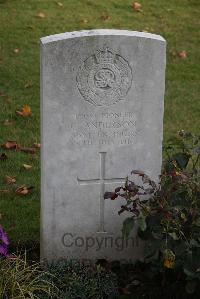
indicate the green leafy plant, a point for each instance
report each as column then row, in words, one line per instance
column 168, row 212
column 76, row 280
column 19, row 280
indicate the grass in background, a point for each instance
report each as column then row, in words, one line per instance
column 21, row 28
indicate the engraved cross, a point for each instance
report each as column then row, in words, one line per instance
column 101, row 181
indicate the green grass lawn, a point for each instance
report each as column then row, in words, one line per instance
column 21, row 28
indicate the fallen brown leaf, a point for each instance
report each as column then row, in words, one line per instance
column 173, row 52
column 105, row 17
column 26, row 111
column 19, row 112
column 182, row 54
column 136, row 6
column 4, row 191
column 16, row 51
column 41, row 15
column 3, row 157
column 10, row 144
column 37, row 145
column 28, row 150
column 9, row 180
column 85, row 21
column 6, row 97
column 7, row 122
column 28, row 84
column 30, row 27
column 23, row 190
column 27, row 167
column 2, row 94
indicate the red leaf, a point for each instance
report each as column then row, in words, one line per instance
column 139, row 172
column 118, row 189
column 111, row 195
column 123, row 208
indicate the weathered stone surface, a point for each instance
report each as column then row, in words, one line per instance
column 102, row 111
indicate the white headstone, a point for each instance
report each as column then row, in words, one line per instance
column 102, row 97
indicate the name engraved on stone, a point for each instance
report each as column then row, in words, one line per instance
column 104, row 78
column 103, row 128
column 101, row 181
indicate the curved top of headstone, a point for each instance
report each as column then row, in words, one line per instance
column 84, row 33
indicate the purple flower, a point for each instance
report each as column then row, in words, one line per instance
column 3, row 250
column 4, row 242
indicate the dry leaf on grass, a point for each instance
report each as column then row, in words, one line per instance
column 6, row 97
column 182, row 54
column 4, row 191
column 28, row 150
column 136, row 6
column 27, row 167
column 16, row 50
column 28, row 84
column 23, row 190
column 60, row 4
column 105, row 17
column 37, row 145
column 3, row 156
column 41, row 15
column 84, row 21
column 7, row 122
column 26, row 111
column 173, row 52
column 10, row 144
column 2, row 94
column 31, row 27
column 9, row 180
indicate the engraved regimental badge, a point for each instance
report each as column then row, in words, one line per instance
column 104, row 78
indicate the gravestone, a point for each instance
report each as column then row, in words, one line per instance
column 102, row 97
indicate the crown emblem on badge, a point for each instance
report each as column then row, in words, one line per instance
column 105, row 56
